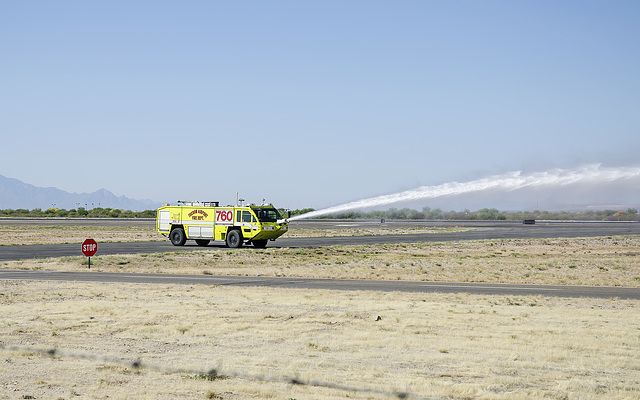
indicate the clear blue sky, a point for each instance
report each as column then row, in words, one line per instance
column 311, row 104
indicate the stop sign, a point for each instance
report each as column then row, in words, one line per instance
column 89, row 247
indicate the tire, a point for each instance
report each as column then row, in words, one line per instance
column 261, row 244
column 177, row 236
column 202, row 242
column 234, row 239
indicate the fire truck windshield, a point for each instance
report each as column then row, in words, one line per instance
column 267, row 214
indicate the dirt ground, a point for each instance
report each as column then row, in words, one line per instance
column 371, row 343
column 69, row 340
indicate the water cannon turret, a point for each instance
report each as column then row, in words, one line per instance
column 285, row 220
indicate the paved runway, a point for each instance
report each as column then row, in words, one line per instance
column 331, row 284
column 481, row 230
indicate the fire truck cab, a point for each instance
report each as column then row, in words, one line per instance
column 207, row 221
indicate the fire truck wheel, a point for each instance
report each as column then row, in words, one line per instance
column 260, row 243
column 177, row 236
column 234, row 239
column 202, row 242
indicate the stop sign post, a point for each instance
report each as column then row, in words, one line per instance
column 89, row 249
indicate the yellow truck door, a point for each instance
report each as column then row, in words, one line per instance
column 249, row 223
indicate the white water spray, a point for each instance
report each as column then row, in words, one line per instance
column 510, row 181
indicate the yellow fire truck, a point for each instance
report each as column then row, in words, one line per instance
column 206, row 221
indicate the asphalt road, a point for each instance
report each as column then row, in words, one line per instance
column 331, row 284
column 481, row 230
column 78, row 221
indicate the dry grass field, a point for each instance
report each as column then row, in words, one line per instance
column 430, row 345
column 435, row 346
column 373, row 230
column 57, row 234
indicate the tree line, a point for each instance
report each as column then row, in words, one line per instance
column 492, row 214
column 80, row 212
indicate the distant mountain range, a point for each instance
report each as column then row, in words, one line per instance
column 16, row 194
